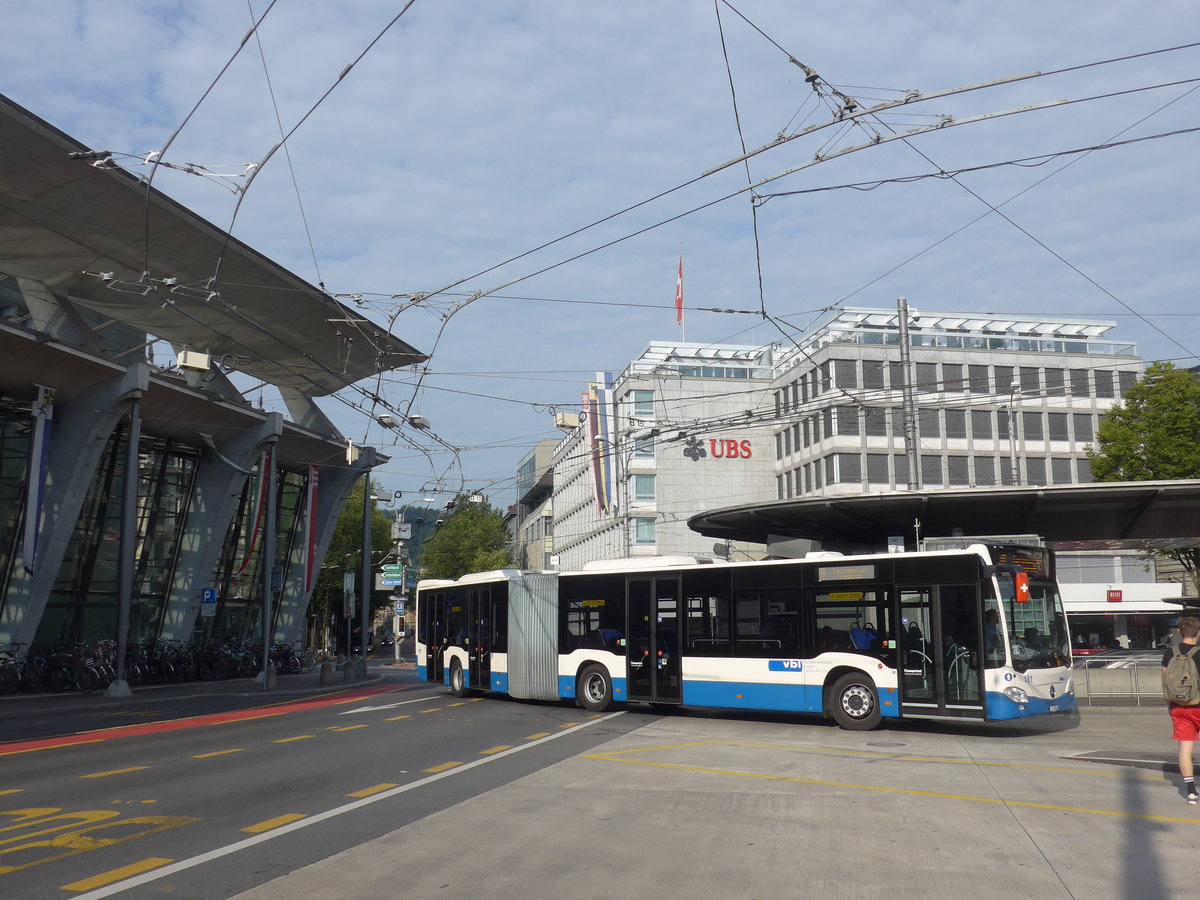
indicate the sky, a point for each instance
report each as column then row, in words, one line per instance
column 470, row 145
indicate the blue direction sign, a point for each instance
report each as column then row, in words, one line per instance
column 391, row 582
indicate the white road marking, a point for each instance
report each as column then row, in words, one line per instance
column 363, row 709
column 217, row 853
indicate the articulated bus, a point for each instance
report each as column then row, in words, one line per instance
column 970, row 634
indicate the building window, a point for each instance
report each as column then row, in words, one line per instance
column 643, row 404
column 872, row 374
column 981, row 424
column 643, row 488
column 845, row 373
column 979, row 379
column 1055, row 383
column 985, row 471
column 1104, row 383
column 1060, row 470
column 1080, row 387
column 1032, row 424
column 1083, row 467
column 931, row 470
column 849, row 468
column 952, row 377
column 958, row 469
column 900, row 465
column 875, row 421
column 1058, row 426
column 847, row 420
column 1029, row 380
column 929, row 425
column 1126, row 380
column 956, row 423
column 643, row 448
column 787, row 442
column 877, row 468
column 779, row 487
column 1035, row 470
column 1083, row 427
column 643, row 531
column 927, row 379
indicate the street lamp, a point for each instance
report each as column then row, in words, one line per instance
column 1014, row 469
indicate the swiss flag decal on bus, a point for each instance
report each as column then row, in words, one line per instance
column 1021, row 583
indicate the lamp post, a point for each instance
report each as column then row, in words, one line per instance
column 910, row 406
column 1013, row 468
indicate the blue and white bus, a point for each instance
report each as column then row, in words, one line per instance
column 976, row 634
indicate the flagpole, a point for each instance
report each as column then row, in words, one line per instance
column 679, row 298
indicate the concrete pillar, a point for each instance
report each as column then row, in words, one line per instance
column 81, row 430
column 222, row 474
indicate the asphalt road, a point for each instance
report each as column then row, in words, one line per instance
column 225, row 792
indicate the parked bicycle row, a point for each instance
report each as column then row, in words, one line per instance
column 93, row 665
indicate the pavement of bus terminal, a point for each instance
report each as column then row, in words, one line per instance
column 707, row 805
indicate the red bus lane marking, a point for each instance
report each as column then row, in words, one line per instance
column 243, row 715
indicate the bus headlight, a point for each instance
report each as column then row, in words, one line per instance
column 1016, row 694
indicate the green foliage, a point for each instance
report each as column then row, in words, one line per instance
column 345, row 552
column 472, row 538
column 1155, row 433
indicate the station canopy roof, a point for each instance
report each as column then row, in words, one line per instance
column 1102, row 516
column 152, row 264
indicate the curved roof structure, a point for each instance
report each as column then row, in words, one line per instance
column 1091, row 516
column 98, row 235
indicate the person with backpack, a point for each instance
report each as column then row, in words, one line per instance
column 1181, row 688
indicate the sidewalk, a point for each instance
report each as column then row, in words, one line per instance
column 698, row 806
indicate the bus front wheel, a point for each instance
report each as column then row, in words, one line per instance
column 855, row 702
column 595, row 688
column 458, row 684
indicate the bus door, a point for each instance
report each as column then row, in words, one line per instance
column 653, row 668
column 433, row 635
column 479, row 639
column 940, row 664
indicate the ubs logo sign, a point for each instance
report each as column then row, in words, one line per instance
column 720, row 448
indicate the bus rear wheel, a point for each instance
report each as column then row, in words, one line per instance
column 854, row 702
column 458, row 684
column 595, row 688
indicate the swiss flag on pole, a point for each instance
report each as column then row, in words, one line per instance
column 679, row 293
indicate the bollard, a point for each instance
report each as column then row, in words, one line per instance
column 326, row 673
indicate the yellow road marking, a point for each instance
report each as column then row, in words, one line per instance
column 540, row 734
column 96, row 881
column 569, row 725
column 55, row 747
column 442, row 768
column 274, row 823
column 115, row 772
column 911, row 792
column 474, row 699
column 302, row 737
column 367, row 792
column 12, row 791
column 489, row 752
column 348, row 727
column 427, row 711
column 397, row 718
column 217, row 753
column 460, row 703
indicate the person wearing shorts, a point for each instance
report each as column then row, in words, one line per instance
column 1185, row 720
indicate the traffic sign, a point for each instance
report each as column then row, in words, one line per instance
column 393, row 569
column 208, row 602
column 391, row 582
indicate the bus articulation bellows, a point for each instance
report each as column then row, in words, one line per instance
column 977, row 633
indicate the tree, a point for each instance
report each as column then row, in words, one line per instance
column 345, row 555
column 472, row 538
column 1154, row 434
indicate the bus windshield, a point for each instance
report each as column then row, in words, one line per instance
column 1037, row 629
